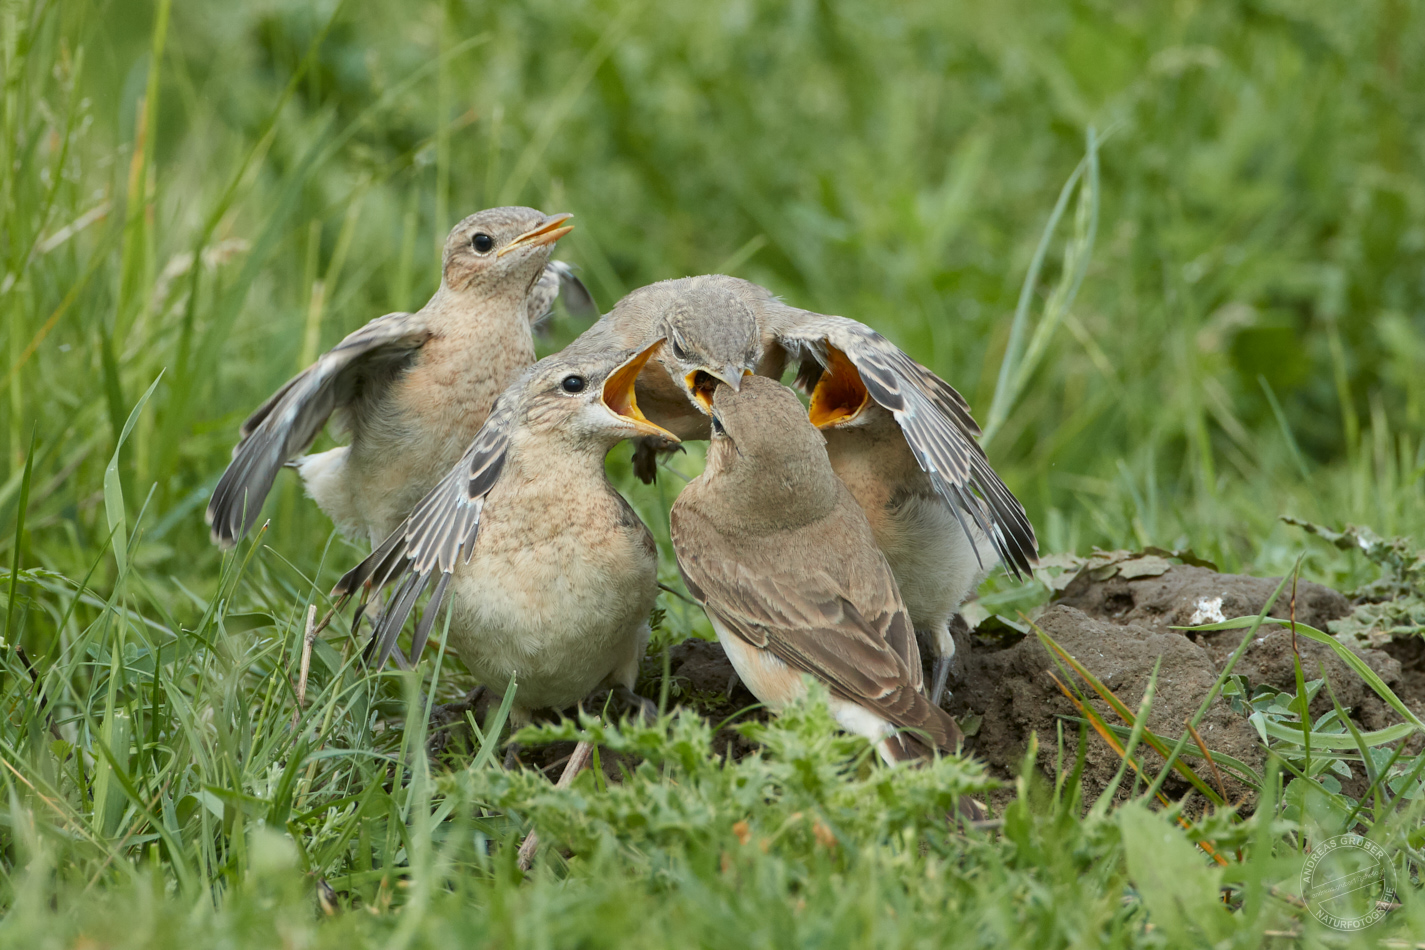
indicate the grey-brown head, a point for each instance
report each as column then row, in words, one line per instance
column 710, row 327
column 586, row 399
column 766, row 456
column 501, row 248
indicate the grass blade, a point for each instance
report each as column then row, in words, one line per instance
column 1124, row 712
column 1344, row 652
column 114, row 489
column 11, row 641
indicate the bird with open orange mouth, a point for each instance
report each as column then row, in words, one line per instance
column 899, row 437
column 783, row 560
column 549, row 574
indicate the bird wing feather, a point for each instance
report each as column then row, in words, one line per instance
column 863, row 652
column 936, row 422
column 288, row 422
column 442, row 527
column 559, row 280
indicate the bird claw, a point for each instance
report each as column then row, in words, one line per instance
column 632, row 702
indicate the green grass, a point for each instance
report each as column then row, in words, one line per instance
column 1225, row 324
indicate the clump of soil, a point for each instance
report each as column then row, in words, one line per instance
column 1119, row 627
column 1012, row 692
column 1185, row 596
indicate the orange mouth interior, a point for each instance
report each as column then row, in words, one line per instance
column 839, row 395
column 619, row 395
column 547, row 233
column 701, row 384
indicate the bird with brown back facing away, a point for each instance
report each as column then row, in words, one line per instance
column 901, row 438
column 783, row 560
column 409, row 389
column 549, row 574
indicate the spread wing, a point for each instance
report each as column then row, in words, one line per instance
column 934, row 417
column 558, row 280
column 864, row 652
column 287, row 423
column 431, row 541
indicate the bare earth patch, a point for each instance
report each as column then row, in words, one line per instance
column 1119, row 627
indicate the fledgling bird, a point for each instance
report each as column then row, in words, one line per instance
column 548, row 571
column 783, row 560
column 901, row 438
column 937, row 560
column 410, row 389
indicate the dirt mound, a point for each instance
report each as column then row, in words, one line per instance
column 1184, row 596
column 1119, row 626
column 1012, row 691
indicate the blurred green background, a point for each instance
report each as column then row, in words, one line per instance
column 1172, row 253
column 1247, row 340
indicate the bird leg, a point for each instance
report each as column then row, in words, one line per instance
column 445, row 717
column 732, row 680
column 306, row 665
column 942, row 647
column 632, row 702
column 512, row 756
column 940, row 673
column 578, row 759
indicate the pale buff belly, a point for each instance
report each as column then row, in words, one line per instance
column 368, row 490
column 408, row 438
column 562, row 619
column 934, row 563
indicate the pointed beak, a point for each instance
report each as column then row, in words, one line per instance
column 701, row 383
column 549, row 231
column 618, row 396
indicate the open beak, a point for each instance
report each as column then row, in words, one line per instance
column 701, row 383
column 550, row 231
column 840, row 395
column 618, row 395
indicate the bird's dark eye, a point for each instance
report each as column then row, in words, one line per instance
column 482, row 242
column 572, row 384
column 678, row 352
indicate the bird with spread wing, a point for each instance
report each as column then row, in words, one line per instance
column 410, row 389
column 900, row 437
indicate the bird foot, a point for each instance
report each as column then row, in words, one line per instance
column 632, row 702
column 645, row 461
column 446, row 719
